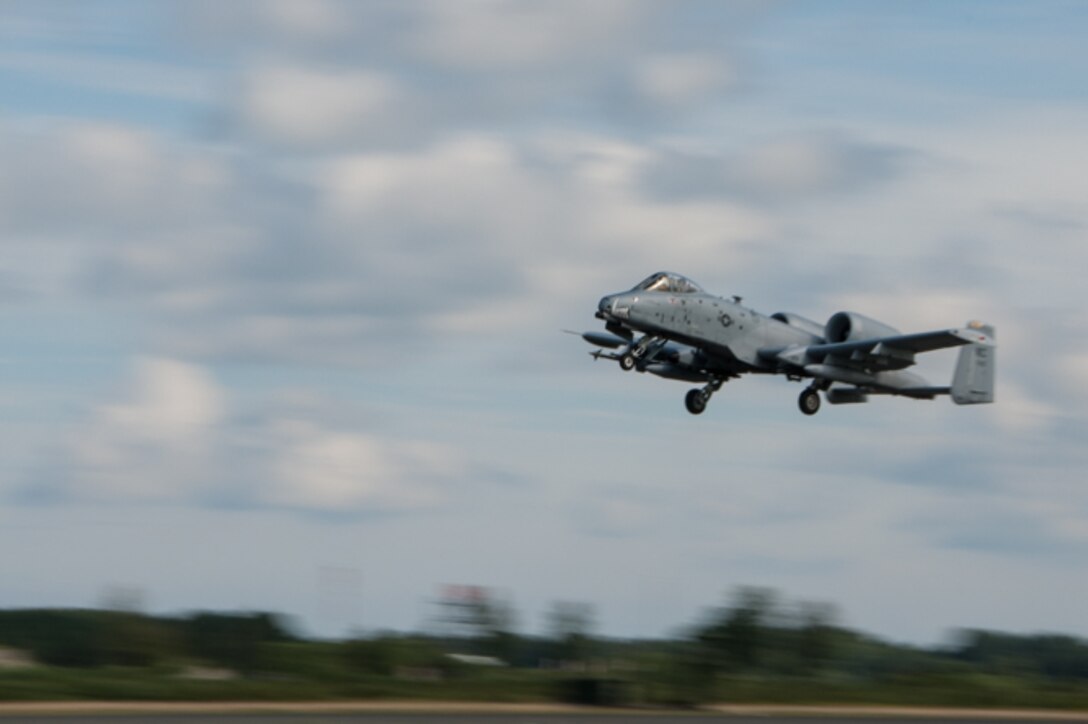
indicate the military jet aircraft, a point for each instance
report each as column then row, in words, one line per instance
column 668, row 326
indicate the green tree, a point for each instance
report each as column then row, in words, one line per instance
column 233, row 640
column 738, row 636
column 571, row 630
column 816, row 634
column 377, row 656
column 496, row 623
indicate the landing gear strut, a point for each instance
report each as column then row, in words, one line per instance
column 695, row 400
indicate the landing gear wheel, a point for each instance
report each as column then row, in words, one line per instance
column 695, row 401
column 809, row 401
column 627, row 362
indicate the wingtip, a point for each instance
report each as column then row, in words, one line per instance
column 980, row 332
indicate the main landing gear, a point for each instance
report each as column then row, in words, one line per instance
column 695, row 400
column 809, row 401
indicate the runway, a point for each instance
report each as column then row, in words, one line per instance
column 823, row 716
column 386, row 718
column 374, row 718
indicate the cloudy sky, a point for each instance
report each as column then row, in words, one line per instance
column 282, row 285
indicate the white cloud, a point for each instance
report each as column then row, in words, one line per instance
column 794, row 165
column 307, row 106
column 575, row 207
column 1074, row 369
column 156, row 445
column 310, row 18
column 103, row 180
column 924, row 310
column 333, row 472
column 171, row 400
column 682, row 79
column 286, row 25
column 1019, row 411
column 453, row 184
column 178, row 438
column 500, row 35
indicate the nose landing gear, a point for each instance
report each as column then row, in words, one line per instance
column 643, row 351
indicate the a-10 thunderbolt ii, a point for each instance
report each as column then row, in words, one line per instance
column 668, row 326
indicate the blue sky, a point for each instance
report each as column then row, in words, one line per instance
column 282, row 287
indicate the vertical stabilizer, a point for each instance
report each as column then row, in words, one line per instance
column 973, row 382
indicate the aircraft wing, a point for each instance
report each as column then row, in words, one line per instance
column 910, row 343
column 894, row 352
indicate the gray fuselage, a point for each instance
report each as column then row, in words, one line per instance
column 731, row 332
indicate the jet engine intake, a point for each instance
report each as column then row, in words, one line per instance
column 854, row 327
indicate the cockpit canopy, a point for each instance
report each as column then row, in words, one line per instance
column 667, row 282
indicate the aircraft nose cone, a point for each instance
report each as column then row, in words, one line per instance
column 605, row 305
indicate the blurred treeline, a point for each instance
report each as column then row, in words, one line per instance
column 755, row 648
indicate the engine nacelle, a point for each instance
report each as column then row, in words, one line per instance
column 854, row 327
